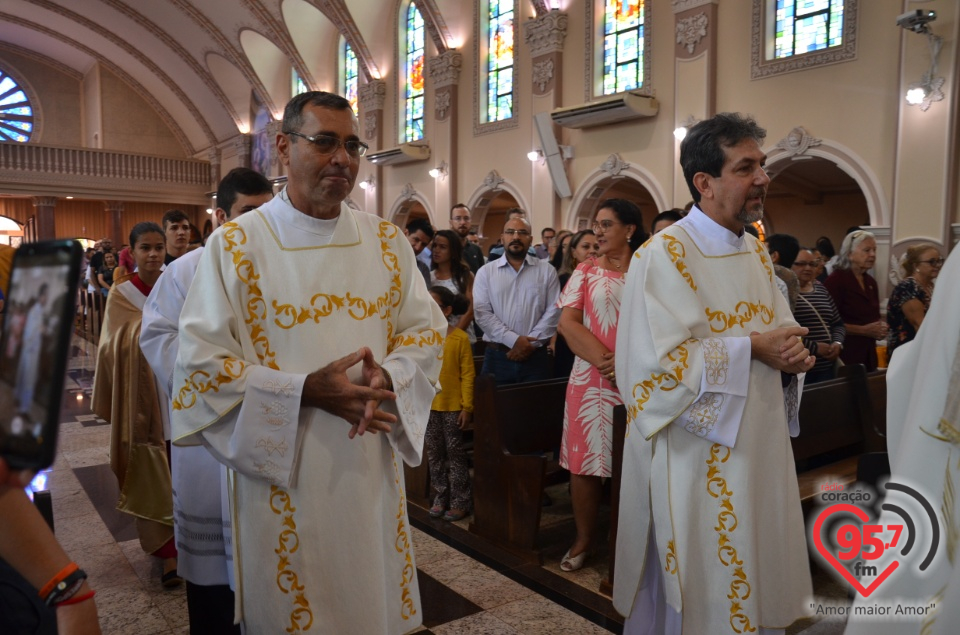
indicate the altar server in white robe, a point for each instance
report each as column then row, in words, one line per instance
column 200, row 514
column 923, row 439
column 711, row 536
column 309, row 354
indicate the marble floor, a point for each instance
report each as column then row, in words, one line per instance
column 467, row 586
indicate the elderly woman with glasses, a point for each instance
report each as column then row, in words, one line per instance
column 591, row 310
column 856, row 295
column 910, row 299
column 816, row 311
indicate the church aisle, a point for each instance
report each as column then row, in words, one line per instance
column 461, row 595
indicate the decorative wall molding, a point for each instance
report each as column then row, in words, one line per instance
column 435, row 24
column 540, row 6
column 372, row 95
column 408, row 192
column 614, row 165
column 797, row 142
column 241, row 145
column 337, row 12
column 444, row 69
column 493, row 180
column 444, row 100
column 44, row 201
column 692, row 29
column 546, row 33
column 369, row 125
column 543, row 74
column 679, row 6
column 113, row 206
column 760, row 64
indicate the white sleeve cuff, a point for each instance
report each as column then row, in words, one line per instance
column 716, row 413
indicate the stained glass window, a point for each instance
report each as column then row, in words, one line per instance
column 500, row 60
column 16, row 114
column 803, row 26
column 413, row 89
column 350, row 75
column 299, row 86
column 622, row 45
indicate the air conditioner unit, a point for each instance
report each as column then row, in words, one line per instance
column 404, row 153
column 598, row 113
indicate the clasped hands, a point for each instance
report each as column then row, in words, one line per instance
column 330, row 389
column 782, row 349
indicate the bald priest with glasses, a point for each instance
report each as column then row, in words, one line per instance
column 515, row 303
column 309, row 352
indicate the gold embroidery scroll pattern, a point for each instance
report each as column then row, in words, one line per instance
column 727, row 523
column 742, row 314
column 322, row 305
column 234, row 236
column 716, row 360
column 430, row 337
column 672, row 562
column 187, row 396
column 301, row 615
column 665, row 381
column 402, row 545
column 761, row 251
column 677, row 253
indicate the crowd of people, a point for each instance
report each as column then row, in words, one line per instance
column 284, row 371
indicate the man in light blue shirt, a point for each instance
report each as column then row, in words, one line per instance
column 515, row 303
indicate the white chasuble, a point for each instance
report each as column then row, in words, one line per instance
column 322, row 542
column 707, row 458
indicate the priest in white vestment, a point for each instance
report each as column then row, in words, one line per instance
column 923, row 439
column 309, row 354
column 711, row 536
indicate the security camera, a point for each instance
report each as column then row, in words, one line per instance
column 917, row 20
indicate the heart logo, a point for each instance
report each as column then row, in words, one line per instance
column 832, row 559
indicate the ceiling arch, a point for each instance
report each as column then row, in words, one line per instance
column 282, row 38
column 231, row 81
column 317, row 39
column 272, row 67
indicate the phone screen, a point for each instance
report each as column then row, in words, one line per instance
column 38, row 322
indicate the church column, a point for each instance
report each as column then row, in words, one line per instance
column 372, row 96
column 695, row 90
column 545, row 35
column 242, row 148
column 114, row 210
column 43, row 207
column 445, row 75
column 213, row 156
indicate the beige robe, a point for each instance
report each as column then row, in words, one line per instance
column 730, row 534
column 322, row 542
column 125, row 394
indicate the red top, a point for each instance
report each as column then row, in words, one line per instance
column 140, row 284
column 857, row 305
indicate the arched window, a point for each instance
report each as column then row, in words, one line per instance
column 296, row 83
column 413, row 62
column 16, row 114
column 623, row 45
column 499, row 76
column 349, row 75
column 804, row 26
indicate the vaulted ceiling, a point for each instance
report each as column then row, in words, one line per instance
column 197, row 62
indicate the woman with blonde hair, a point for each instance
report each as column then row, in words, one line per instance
column 910, row 299
column 856, row 295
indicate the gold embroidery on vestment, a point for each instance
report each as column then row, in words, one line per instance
column 301, row 616
column 716, row 360
column 727, row 523
column 704, row 414
column 743, row 313
column 665, row 381
column 761, row 251
column 402, row 545
column 187, row 396
column 677, row 253
column 672, row 563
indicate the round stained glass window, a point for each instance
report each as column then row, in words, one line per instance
column 16, row 115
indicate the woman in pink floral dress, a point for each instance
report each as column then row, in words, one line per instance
column 591, row 308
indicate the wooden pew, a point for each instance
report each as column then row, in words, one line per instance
column 513, row 426
column 835, row 429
